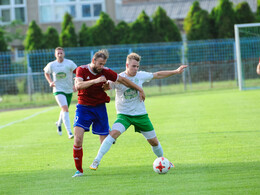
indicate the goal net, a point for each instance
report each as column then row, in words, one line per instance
column 247, row 37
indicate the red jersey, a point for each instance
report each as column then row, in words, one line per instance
column 94, row 94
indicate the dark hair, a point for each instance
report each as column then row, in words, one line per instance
column 101, row 54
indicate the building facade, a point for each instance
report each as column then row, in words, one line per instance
column 50, row 13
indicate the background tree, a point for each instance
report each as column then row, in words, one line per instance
column 224, row 16
column 68, row 36
column 34, row 37
column 197, row 23
column 51, row 38
column 141, row 30
column 84, row 36
column 165, row 30
column 244, row 13
column 3, row 44
column 213, row 31
column 102, row 33
column 258, row 11
column 121, row 33
column 188, row 19
column 13, row 31
column 67, row 20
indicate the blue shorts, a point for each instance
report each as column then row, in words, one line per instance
column 92, row 115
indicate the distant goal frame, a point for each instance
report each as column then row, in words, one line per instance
column 238, row 54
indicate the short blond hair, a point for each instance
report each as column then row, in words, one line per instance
column 59, row 48
column 133, row 56
column 103, row 53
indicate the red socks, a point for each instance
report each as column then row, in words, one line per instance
column 78, row 154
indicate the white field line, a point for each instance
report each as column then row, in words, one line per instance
column 26, row 118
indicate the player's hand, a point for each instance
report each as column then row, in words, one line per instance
column 142, row 95
column 181, row 68
column 106, row 86
column 52, row 84
column 101, row 79
column 74, row 88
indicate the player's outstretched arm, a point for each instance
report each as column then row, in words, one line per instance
column 258, row 69
column 132, row 85
column 167, row 73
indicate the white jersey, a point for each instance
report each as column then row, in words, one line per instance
column 127, row 99
column 62, row 74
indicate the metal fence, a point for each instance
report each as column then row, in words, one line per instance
column 210, row 62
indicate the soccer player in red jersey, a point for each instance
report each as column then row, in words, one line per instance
column 91, row 109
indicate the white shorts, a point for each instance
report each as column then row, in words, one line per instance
column 61, row 100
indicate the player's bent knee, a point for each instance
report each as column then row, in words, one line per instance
column 115, row 133
column 153, row 141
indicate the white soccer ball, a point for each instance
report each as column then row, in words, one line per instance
column 161, row 165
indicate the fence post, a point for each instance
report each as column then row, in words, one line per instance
column 29, row 78
column 235, row 61
column 183, row 62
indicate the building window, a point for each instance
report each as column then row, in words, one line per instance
column 19, row 14
column 18, row 2
column 54, row 10
column 86, row 11
column 4, row 2
column 97, row 9
column 11, row 10
column 6, row 15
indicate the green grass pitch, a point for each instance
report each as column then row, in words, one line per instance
column 213, row 138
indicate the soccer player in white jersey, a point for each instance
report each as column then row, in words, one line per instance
column 130, row 110
column 62, row 84
column 258, row 68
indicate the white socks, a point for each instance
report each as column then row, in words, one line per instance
column 157, row 150
column 105, row 146
column 66, row 121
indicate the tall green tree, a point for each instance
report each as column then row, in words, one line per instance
column 84, row 36
column 165, row 30
column 197, row 23
column 188, row 20
column 257, row 14
column 68, row 36
column 34, row 37
column 67, row 20
column 51, row 38
column 224, row 18
column 244, row 13
column 141, row 30
column 102, row 33
column 121, row 33
column 3, row 44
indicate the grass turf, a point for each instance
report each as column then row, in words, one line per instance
column 213, row 138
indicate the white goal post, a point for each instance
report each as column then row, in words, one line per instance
column 247, row 40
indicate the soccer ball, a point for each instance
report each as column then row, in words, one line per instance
column 161, row 165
